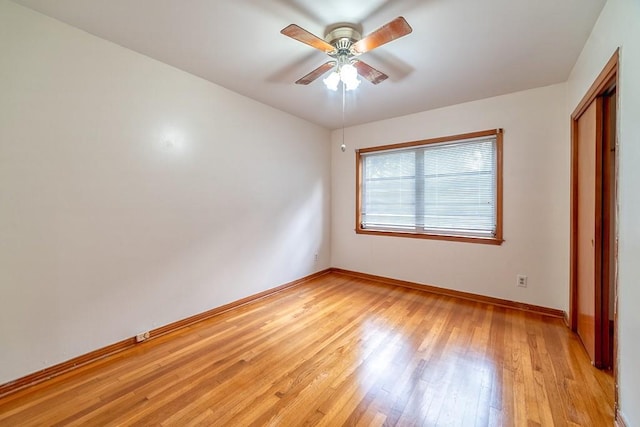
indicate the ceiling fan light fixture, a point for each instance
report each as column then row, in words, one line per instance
column 332, row 81
column 352, row 85
column 349, row 76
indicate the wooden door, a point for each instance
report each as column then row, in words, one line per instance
column 589, row 229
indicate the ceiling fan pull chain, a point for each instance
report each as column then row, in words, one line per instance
column 343, row 147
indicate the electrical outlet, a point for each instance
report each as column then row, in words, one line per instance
column 521, row 281
column 142, row 336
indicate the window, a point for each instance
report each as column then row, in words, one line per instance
column 446, row 188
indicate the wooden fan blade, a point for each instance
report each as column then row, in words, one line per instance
column 304, row 36
column 369, row 73
column 316, row 73
column 388, row 32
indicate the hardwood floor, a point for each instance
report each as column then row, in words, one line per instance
column 337, row 351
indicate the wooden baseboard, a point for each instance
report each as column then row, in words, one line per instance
column 457, row 294
column 85, row 359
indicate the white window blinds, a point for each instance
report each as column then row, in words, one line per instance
column 446, row 189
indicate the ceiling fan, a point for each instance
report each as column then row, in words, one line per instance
column 344, row 44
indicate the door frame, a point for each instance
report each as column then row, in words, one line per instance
column 607, row 79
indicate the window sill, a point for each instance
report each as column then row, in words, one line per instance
column 468, row 239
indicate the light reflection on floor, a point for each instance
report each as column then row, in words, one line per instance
column 431, row 382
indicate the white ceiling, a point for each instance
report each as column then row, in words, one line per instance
column 460, row 50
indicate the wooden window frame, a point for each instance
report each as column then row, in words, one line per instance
column 495, row 240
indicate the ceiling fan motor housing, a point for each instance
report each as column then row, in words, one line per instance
column 342, row 38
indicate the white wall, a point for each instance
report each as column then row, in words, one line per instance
column 619, row 26
column 536, row 202
column 104, row 230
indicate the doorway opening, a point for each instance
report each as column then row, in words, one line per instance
column 593, row 218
